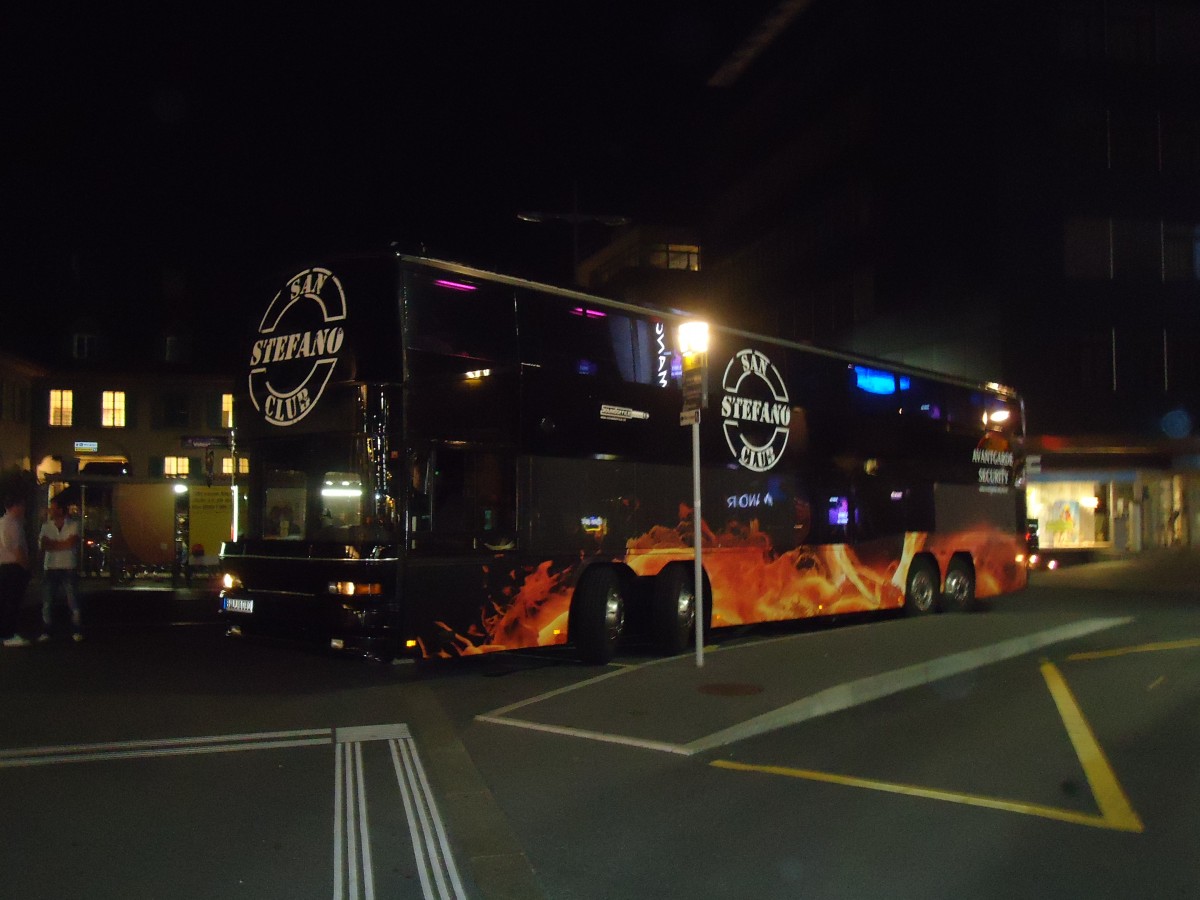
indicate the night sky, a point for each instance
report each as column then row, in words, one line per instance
column 166, row 156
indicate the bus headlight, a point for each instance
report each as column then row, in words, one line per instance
column 355, row 588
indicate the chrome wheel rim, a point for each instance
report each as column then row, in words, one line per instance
column 921, row 591
column 614, row 614
column 958, row 586
column 685, row 611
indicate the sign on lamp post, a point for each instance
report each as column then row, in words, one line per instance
column 693, row 345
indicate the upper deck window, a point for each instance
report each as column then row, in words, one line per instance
column 460, row 317
column 588, row 339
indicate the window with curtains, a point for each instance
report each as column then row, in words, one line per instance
column 112, row 409
column 62, row 403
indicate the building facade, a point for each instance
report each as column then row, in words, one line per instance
column 1007, row 192
column 134, row 436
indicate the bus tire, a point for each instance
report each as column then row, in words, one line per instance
column 597, row 616
column 960, row 585
column 921, row 588
column 672, row 614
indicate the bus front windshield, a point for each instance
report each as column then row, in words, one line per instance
column 324, row 488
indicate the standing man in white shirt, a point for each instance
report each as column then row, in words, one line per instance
column 14, row 570
column 59, row 541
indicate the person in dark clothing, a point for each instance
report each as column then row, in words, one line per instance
column 14, row 570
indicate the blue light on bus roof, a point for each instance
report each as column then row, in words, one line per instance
column 877, row 381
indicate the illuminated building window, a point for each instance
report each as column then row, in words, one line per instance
column 112, row 409
column 175, row 466
column 61, row 408
column 675, row 256
column 227, row 410
column 227, row 465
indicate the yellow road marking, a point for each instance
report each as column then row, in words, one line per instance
column 1116, row 813
column 1156, row 682
column 1114, row 805
column 1140, row 648
column 1032, row 809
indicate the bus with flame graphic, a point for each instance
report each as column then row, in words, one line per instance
column 444, row 461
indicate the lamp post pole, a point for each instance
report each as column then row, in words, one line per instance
column 698, row 589
column 693, row 344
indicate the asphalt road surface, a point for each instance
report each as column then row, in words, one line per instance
column 1044, row 747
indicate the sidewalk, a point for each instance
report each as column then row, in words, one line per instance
column 1157, row 568
column 743, row 690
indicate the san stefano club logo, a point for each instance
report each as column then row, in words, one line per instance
column 299, row 340
column 755, row 410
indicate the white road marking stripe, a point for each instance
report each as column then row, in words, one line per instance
column 354, row 876
column 578, row 685
column 430, row 844
column 354, row 733
column 351, row 829
column 38, row 760
column 351, row 834
column 603, row 736
column 338, row 763
column 167, row 742
column 414, row 834
column 363, row 829
column 443, row 842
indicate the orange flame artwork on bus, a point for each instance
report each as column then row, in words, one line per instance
column 750, row 582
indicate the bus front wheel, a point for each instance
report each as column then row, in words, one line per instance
column 597, row 616
column 921, row 589
column 673, row 612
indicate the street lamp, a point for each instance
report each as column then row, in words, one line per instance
column 693, row 338
column 693, row 345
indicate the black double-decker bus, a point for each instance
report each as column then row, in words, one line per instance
column 445, row 461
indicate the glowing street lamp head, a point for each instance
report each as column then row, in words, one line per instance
column 996, row 416
column 693, row 338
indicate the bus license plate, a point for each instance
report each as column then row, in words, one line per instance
column 235, row 604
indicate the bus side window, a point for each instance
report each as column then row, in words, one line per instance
column 493, row 489
column 461, row 320
column 463, row 500
column 419, row 465
column 448, row 492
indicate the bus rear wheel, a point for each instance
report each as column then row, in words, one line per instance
column 597, row 616
column 960, row 586
column 921, row 589
column 673, row 607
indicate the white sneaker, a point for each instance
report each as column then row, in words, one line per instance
column 43, row 638
column 16, row 641
column 77, row 636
